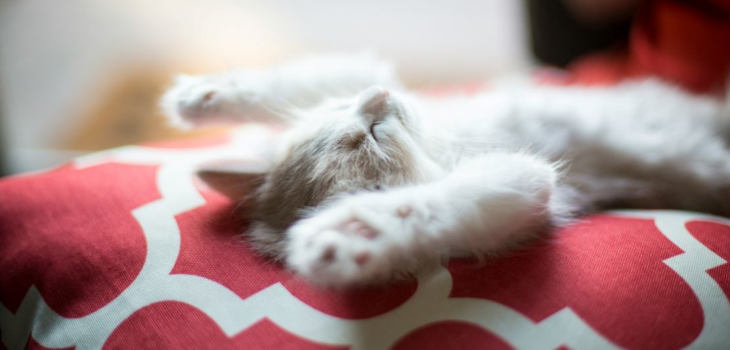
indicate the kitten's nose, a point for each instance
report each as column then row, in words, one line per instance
column 374, row 103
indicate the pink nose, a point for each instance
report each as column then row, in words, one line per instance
column 374, row 103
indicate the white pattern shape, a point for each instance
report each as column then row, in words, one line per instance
column 692, row 266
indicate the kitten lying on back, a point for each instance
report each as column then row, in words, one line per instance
column 372, row 181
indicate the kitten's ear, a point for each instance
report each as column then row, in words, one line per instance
column 236, row 179
column 375, row 101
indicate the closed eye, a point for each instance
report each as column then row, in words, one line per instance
column 372, row 130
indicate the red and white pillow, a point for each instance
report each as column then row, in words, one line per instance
column 126, row 249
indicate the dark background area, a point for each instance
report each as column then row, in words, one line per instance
column 557, row 37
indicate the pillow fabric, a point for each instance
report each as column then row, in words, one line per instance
column 126, row 249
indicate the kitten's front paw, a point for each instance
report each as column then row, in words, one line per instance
column 200, row 100
column 357, row 242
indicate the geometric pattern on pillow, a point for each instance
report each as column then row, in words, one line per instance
column 127, row 249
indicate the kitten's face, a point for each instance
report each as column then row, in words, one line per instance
column 368, row 143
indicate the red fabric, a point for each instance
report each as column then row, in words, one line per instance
column 80, row 236
column 147, row 327
column 55, row 235
column 460, row 335
column 624, row 274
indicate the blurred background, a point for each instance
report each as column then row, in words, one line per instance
column 78, row 76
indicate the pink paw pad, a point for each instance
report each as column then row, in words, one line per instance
column 209, row 96
column 360, row 229
column 362, row 258
column 404, row 211
column 328, row 255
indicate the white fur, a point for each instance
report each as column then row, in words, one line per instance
column 261, row 95
column 490, row 170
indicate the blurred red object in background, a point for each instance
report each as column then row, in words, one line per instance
column 685, row 42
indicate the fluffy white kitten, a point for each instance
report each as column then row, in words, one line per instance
column 372, row 181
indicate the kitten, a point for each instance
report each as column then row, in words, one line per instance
column 372, row 181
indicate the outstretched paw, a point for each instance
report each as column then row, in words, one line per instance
column 353, row 243
column 203, row 100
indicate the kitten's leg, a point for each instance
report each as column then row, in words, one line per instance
column 485, row 204
column 262, row 95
